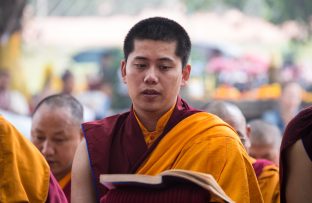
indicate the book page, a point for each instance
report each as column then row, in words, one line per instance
column 112, row 181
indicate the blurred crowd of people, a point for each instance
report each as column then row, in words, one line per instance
column 104, row 89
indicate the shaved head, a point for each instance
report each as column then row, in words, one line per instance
column 232, row 115
column 265, row 139
column 265, row 134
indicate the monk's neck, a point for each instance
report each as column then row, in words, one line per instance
column 60, row 176
column 149, row 119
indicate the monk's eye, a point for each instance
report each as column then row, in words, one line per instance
column 40, row 138
column 164, row 67
column 140, row 65
column 59, row 140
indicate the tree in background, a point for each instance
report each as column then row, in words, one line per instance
column 275, row 11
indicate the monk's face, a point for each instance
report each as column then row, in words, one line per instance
column 57, row 136
column 154, row 75
column 264, row 152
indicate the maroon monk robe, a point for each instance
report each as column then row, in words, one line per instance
column 116, row 144
column 180, row 193
column 260, row 164
column 67, row 190
column 55, row 194
column 300, row 127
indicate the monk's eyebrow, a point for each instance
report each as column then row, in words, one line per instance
column 165, row 59
column 140, row 58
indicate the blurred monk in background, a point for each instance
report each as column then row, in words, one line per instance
column 55, row 131
column 266, row 171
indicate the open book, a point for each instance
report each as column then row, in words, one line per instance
column 164, row 178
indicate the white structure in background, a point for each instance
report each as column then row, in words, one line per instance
column 21, row 123
column 230, row 27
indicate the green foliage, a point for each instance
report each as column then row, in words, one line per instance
column 276, row 11
column 283, row 10
column 221, row 5
column 193, row 6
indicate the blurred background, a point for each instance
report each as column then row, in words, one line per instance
column 243, row 51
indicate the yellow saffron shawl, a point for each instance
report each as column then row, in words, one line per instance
column 24, row 173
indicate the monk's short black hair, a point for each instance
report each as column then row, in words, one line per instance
column 162, row 29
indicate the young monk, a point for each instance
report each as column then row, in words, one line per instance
column 24, row 173
column 266, row 171
column 55, row 131
column 161, row 131
column 296, row 159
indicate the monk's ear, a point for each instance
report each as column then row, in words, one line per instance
column 186, row 74
column 123, row 64
column 248, row 131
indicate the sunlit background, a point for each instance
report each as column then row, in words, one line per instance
column 242, row 50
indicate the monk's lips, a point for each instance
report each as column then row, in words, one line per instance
column 150, row 92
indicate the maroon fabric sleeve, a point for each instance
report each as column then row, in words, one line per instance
column 300, row 127
column 307, row 143
column 181, row 193
column 260, row 164
column 110, row 146
column 56, row 194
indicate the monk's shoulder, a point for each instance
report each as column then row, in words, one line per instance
column 213, row 126
column 210, row 130
column 270, row 172
column 105, row 123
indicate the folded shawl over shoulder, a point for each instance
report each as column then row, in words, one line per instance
column 24, row 173
column 300, row 127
